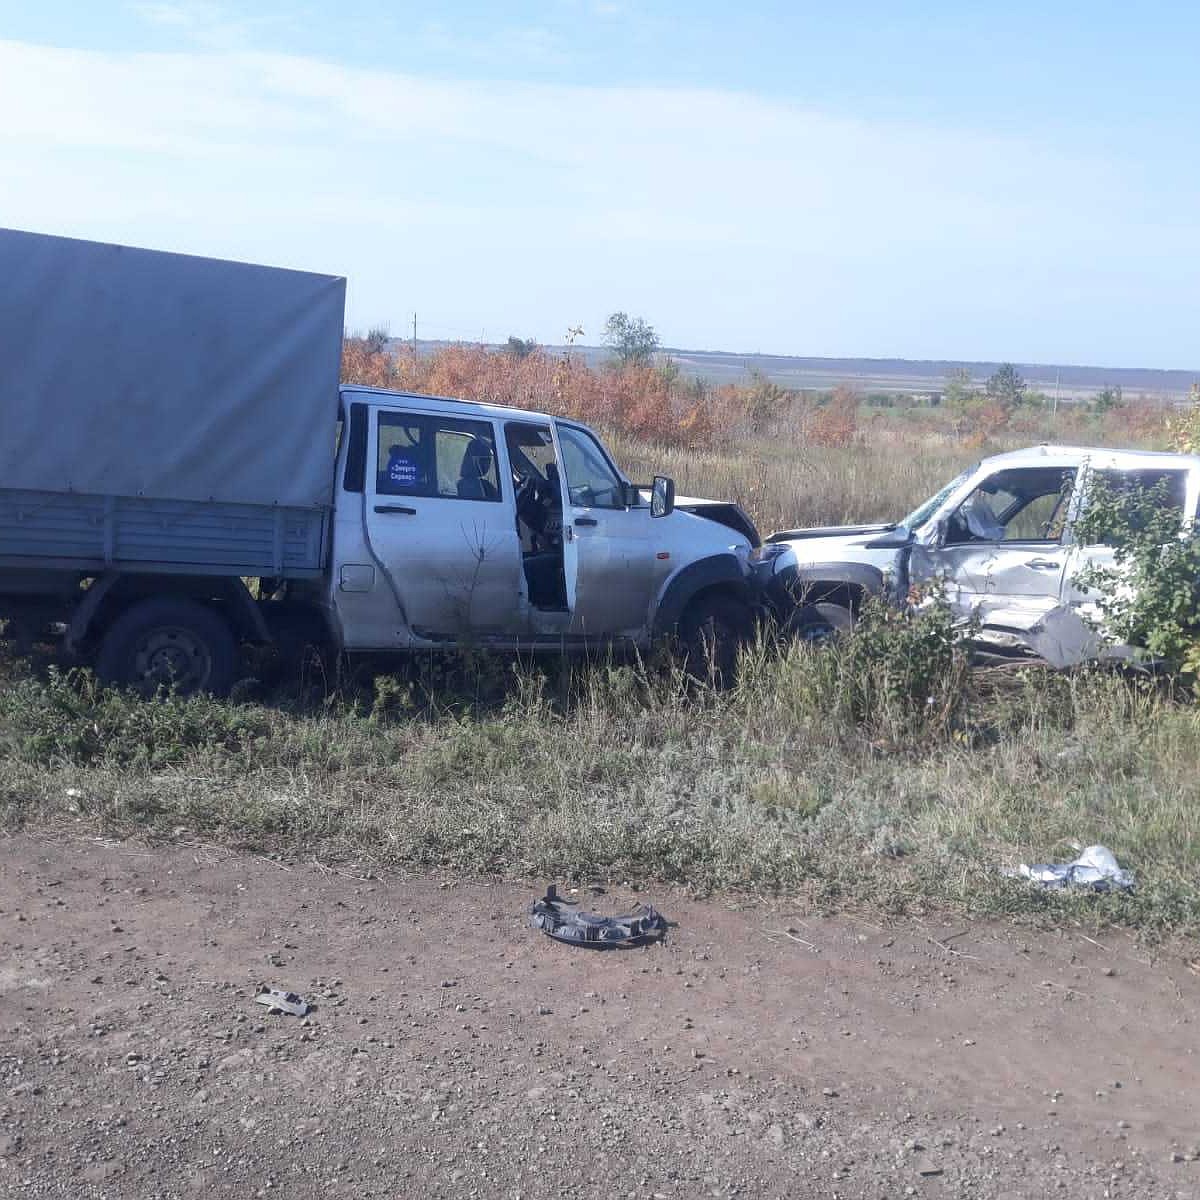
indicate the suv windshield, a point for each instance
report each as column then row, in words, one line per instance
column 920, row 515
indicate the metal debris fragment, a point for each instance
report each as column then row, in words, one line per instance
column 279, row 1001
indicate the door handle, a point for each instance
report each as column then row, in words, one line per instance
column 1043, row 564
column 395, row 508
column 586, row 521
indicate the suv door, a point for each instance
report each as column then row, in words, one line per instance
column 442, row 525
column 609, row 556
column 1165, row 486
column 1003, row 545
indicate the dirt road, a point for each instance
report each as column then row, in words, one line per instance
column 455, row 1052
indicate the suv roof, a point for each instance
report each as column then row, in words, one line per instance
column 1033, row 454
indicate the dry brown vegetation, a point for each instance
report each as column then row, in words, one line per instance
column 790, row 458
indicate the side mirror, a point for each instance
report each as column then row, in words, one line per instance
column 662, row 497
column 630, row 496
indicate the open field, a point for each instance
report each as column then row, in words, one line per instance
column 883, row 772
column 896, row 375
column 898, row 780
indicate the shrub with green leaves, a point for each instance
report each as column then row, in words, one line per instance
column 901, row 675
column 1150, row 597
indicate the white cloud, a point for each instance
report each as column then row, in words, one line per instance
column 204, row 22
column 724, row 214
column 510, row 47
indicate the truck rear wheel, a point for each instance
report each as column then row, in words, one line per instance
column 172, row 643
column 712, row 631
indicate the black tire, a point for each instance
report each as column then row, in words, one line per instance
column 300, row 650
column 169, row 642
column 711, row 632
column 821, row 622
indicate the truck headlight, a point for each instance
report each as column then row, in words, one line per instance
column 767, row 552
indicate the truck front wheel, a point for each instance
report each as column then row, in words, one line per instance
column 169, row 642
column 712, row 631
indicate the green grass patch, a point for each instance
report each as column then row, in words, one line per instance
column 880, row 773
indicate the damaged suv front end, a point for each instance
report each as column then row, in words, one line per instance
column 997, row 542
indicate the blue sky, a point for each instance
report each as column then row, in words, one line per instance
column 943, row 180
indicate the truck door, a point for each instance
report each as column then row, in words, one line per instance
column 442, row 525
column 609, row 554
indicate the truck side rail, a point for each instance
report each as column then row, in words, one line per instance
column 90, row 533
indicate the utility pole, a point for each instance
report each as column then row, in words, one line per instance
column 1054, row 410
column 414, row 334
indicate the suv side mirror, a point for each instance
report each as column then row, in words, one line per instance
column 662, row 497
column 631, row 497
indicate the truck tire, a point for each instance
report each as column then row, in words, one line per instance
column 711, row 631
column 821, row 622
column 300, row 648
column 169, row 642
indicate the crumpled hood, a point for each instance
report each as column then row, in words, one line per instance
column 832, row 544
column 863, row 533
column 681, row 501
column 723, row 512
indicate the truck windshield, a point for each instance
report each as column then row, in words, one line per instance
column 920, row 515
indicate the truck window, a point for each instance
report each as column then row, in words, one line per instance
column 591, row 480
column 444, row 457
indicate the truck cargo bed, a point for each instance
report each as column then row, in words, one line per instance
column 134, row 372
column 90, row 533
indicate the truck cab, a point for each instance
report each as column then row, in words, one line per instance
column 458, row 523
column 1000, row 541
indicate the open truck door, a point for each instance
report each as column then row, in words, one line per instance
column 609, row 556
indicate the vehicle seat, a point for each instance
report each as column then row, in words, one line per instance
column 547, row 584
column 473, row 483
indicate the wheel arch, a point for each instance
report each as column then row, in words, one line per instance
column 116, row 592
column 847, row 584
column 719, row 574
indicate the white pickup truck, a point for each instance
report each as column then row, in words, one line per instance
column 181, row 473
column 1001, row 541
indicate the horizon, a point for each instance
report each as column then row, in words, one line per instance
column 943, row 186
column 599, row 347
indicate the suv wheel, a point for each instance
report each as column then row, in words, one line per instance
column 821, row 622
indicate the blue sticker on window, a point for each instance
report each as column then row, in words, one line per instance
column 403, row 470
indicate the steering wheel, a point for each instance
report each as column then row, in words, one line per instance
column 535, row 503
column 526, row 496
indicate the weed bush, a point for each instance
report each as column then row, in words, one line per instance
column 900, row 679
column 1150, row 597
column 69, row 718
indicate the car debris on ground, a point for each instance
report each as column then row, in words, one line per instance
column 1095, row 868
column 561, row 920
column 278, row 1001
